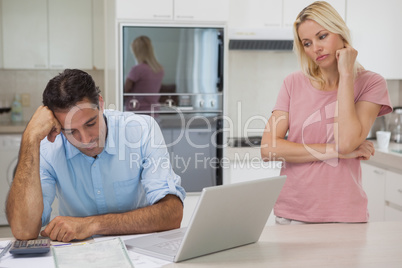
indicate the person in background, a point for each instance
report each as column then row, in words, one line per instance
column 145, row 77
column 327, row 110
column 109, row 170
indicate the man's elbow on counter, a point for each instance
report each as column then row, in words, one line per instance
column 21, row 233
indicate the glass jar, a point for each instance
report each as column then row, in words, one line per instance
column 395, row 125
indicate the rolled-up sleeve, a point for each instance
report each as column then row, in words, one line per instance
column 158, row 177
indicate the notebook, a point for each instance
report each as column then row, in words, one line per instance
column 225, row 217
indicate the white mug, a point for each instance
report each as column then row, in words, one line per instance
column 383, row 138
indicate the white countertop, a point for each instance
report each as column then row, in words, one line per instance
column 376, row 244
column 12, row 128
column 314, row 245
column 388, row 159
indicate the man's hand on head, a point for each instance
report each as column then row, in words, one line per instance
column 42, row 124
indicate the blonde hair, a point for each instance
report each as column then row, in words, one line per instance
column 326, row 16
column 144, row 53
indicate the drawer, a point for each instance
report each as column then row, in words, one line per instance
column 393, row 188
column 392, row 214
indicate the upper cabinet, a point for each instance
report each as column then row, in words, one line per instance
column 70, row 34
column 25, row 37
column 375, row 23
column 256, row 14
column 144, row 10
column 291, row 8
column 168, row 10
column 206, row 10
column 56, row 34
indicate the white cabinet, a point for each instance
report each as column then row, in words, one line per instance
column 372, row 23
column 373, row 179
column 271, row 13
column 255, row 13
column 70, row 34
column 45, row 34
column 393, row 197
column 384, row 191
column 206, row 10
column 144, row 10
column 25, row 37
column 99, row 25
column 1, row 40
column 291, row 8
column 180, row 10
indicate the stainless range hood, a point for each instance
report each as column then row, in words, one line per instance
column 275, row 39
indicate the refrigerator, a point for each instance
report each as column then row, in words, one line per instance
column 188, row 104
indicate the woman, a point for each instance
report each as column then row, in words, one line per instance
column 145, row 77
column 327, row 109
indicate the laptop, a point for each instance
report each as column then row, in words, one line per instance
column 225, row 217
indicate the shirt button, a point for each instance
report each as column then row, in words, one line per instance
column 99, row 192
column 94, row 165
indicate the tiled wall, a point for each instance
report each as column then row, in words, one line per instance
column 255, row 78
column 33, row 82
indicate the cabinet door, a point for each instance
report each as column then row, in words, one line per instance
column 146, row 10
column 206, row 10
column 25, row 39
column 291, row 8
column 393, row 214
column 70, row 34
column 370, row 23
column 393, row 188
column 255, row 13
column 98, row 22
column 374, row 185
column 1, row 39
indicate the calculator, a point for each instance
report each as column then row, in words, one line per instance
column 34, row 246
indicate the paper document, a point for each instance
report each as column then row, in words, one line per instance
column 106, row 253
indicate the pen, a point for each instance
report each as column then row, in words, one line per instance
column 58, row 245
column 70, row 244
column 5, row 250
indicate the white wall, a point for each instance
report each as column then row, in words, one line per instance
column 255, row 78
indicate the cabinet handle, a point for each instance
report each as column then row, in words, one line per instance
column 57, row 66
column 40, row 65
column 272, row 24
column 184, row 17
column 400, row 191
column 378, row 172
column 162, row 16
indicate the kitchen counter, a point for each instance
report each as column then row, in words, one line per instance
column 314, row 245
column 12, row 128
column 388, row 159
column 376, row 244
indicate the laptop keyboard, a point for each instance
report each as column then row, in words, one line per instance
column 172, row 245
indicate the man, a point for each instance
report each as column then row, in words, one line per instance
column 111, row 169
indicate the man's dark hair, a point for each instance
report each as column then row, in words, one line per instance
column 69, row 87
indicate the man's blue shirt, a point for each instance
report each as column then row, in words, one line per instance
column 133, row 170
